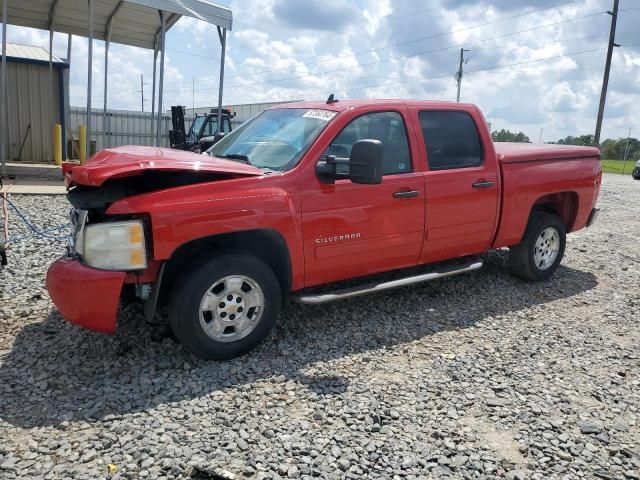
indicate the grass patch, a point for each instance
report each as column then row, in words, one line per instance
column 617, row 166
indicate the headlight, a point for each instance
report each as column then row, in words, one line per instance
column 114, row 246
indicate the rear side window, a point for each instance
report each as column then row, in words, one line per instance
column 452, row 140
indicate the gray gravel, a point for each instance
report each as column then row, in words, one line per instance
column 482, row 376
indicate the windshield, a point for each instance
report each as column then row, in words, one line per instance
column 275, row 139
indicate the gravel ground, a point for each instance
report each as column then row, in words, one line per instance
column 478, row 376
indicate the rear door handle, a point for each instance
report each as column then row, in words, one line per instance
column 406, row 194
column 483, row 184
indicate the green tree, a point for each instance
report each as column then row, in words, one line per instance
column 582, row 140
column 610, row 149
column 615, row 149
column 508, row 136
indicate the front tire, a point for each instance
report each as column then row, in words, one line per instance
column 541, row 250
column 223, row 308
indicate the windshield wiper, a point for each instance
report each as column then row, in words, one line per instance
column 237, row 156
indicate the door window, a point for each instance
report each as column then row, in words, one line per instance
column 452, row 140
column 389, row 128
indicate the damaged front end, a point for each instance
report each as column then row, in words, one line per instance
column 110, row 257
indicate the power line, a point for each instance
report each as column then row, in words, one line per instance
column 442, row 34
column 500, row 47
column 429, row 37
column 485, row 69
column 391, row 58
column 523, row 71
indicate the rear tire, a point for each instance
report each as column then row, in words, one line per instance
column 541, row 250
column 223, row 308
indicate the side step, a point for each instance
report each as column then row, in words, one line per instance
column 317, row 299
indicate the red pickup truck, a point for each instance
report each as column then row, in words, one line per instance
column 306, row 195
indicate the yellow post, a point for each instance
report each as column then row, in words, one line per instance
column 57, row 144
column 83, row 144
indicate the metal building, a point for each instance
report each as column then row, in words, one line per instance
column 243, row 112
column 141, row 23
column 34, row 102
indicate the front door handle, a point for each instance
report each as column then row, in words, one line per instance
column 482, row 184
column 406, row 194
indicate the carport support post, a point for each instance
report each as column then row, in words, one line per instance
column 66, row 129
column 52, row 19
column 222, row 33
column 106, row 137
column 89, row 78
column 53, row 117
column 163, row 28
column 153, row 91
column 105, row 119
column 3, row 93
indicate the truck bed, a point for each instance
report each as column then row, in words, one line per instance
column 524, row 152
column 565, row 176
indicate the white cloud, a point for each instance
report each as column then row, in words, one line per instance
column 392, row 49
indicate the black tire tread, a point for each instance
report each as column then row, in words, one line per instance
column 521, row 257
column 188, row 291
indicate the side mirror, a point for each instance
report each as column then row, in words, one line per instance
column 218, row 136
column 365, row 165
column 367, row 162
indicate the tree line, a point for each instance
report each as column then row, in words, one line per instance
column 612, row 149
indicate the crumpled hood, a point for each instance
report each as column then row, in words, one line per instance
column 130, row 161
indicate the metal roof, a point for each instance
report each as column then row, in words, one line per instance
column 30, row 52
column 135, row 22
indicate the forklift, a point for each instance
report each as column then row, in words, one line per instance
column 203, row 133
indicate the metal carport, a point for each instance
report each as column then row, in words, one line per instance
column 139, row 23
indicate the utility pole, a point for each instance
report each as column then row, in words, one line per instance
column 541, row 130
column 142, row 91
column 193, row 96
column 460, row 72
column 607, row 70
column 626, row 154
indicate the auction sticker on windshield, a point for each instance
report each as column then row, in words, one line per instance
column 324, row 115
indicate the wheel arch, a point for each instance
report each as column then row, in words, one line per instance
column 563, row 204
column 266, row 244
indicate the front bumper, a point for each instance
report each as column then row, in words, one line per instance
column 85, row 296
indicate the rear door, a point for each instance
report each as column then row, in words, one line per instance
column 353, row 230
column 462, row 184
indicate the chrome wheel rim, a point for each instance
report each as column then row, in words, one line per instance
column 231, row 308
column 547, row 248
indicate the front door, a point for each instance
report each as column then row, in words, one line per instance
column 353, row 230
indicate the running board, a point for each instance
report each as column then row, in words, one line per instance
column 317, row 299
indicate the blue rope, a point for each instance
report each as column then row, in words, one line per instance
column 35, row 231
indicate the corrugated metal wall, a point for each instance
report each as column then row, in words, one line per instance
column 32, row 100
column 123, row 127
column 135, row 128
column 243, row 112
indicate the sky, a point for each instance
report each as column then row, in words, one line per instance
column 532, row 66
